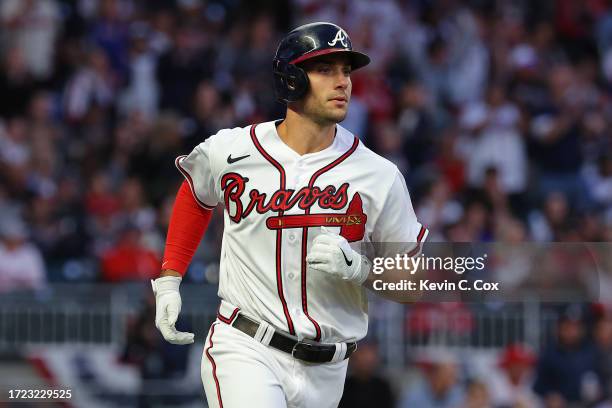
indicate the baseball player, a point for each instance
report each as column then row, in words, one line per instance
column 300, row 195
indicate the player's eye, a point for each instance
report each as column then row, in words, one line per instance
column 324, row 69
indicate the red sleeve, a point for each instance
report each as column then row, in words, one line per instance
column 187, row 226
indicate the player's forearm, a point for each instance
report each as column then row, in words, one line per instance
column 188, row 224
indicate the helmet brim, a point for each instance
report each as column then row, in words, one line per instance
column 358, row 59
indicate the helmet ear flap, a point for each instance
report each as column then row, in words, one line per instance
column 290, row 81
column 297, row 82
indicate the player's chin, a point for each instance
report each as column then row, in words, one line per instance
column 335, row 118
column 337, row 114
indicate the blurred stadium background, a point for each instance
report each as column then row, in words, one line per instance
column 497, row 112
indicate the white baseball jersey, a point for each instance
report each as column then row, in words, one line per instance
column 275, row 202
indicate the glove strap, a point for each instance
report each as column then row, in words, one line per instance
column 166, row 284
column 362, row 270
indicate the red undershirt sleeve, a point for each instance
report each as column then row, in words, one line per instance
column 188, row 223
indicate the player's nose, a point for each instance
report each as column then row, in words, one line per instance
column 342, row 80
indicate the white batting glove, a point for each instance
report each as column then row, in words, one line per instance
column 331, row 253
column 167, row 308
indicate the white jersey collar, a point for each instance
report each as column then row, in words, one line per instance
column 270, row 140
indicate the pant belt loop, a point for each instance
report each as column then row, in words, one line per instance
column 340, row 352
column 264, row 333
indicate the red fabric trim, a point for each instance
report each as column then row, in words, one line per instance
column 228, row 320
column 190, row 181
column 314, row 177
column 420, row 236
column 214, row 366
column 279, row 233
column 317, row 53
column 188, row 224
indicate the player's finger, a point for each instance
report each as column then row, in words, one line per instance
column 173, row 312
column 318, row 258
column 325, row 239
column 321, row 248
column 182, row 338
column 171, row 335
column 161, row 318
column 167, row 331
column 321, row 267
column 328, row 230
column 318, row 262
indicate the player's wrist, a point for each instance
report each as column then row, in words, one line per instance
column 166, row 284
column 361, row 269
column 171, row 270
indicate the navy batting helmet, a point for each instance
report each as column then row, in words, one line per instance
column 303, row 43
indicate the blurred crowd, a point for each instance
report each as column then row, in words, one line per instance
column 573, row 370
column 498, row 114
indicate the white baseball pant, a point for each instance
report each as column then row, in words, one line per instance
column 238, row 371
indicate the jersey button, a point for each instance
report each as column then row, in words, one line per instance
column 291, row 237
column 292, row 275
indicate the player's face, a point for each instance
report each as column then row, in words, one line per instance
column 330, row 89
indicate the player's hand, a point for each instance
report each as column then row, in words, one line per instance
column 167, row 309
column 331, row 253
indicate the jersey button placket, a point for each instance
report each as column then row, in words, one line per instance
column 292, row 239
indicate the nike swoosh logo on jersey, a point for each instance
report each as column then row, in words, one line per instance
column 231, row 159
column 348, row 263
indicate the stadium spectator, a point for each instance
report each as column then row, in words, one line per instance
column 91, row 88
column 568, row 369
column 365, row 386
column 129, row 259
column 141, row 93
column 32, row 26
column 17, row 85
column 183, row 66
column 547, row 224
column 602, row 336
column 21, row 264
column 438, row 210
column 510, row 385
column 440, row 387
column 557, row 133
column 476, row 396
column 494, row 140
column 598, row 178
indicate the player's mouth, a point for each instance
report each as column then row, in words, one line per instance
column 339, row 100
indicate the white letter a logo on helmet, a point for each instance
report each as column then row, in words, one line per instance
column 340, row 36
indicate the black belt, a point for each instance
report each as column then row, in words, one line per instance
column 304, row 350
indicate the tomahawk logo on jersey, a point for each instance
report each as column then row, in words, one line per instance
column 276, row 202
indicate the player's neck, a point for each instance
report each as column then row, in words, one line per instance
column 305, row 136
